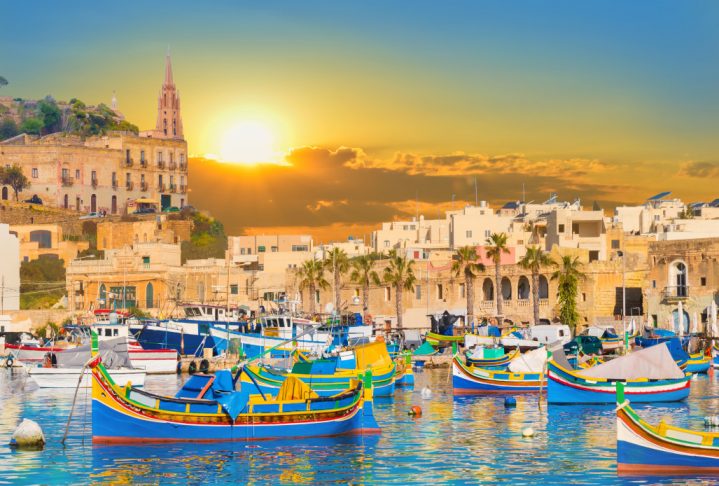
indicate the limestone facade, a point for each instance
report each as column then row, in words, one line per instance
column 38, row 240
column 118, row 234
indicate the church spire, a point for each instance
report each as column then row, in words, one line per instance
column 169, row 121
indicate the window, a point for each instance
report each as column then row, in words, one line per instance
column 317, row 296
column 703, row 281
column 34, row 173
column 654, row 284
column 593, row 256
column 182, row 158
column 440, row 292
column 159, row 157
column 561, row 228
column 418, row 292
column 656, row 217
column 261, row 249
column 575, row 228
column 234, row 289
column 487, row 233
column 93, row 176
column 142, row 178
column 520, row 242
column 387, row 294
column 77, row 173
column 146, row 261
column 386, row 243
column 468, row 233
column 300, row 248
column 242, row 251
column 584, row 297
column 615, row 244
column 273, row 249
column 357, row 292
column 142, row 156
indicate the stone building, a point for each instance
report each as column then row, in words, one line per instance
column 106, row 173
column 46, row 240
column 159, row 229
column 683, row 273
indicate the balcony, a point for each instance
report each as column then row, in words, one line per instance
column 172, row 166
column 129, row 162
column 114, row 185
column 143, row 163
column 675, row 293
column 67, row 181
column 183, row 167
column 183, row 189
column 143, row 186
column 129, row 185
column 173, row 188
column 161, row 188
column 160, row 165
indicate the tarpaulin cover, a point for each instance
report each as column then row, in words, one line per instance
column 654, row 363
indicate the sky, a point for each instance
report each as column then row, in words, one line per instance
column 329, row 117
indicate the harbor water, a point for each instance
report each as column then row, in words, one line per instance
column 463, row 440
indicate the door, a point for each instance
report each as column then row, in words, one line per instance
column 93, row 203
column 149, row 296
column 4, row 194
column 165, row 201
column 114, row 205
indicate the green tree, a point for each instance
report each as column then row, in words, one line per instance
column 42, row 282
column 364, row 275
column 50, row 114
column 496, row 246
column 8, row 129
column 337, row 264
column 32, row 125
column 311, row 276
column 465, row 264
column 3, row 82
column 534, row 260
column 399, row 273
column 568, row 275
column 14, row 178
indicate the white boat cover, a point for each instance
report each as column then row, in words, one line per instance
column 654, row 363
column 529, row 362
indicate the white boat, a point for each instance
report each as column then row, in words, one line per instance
column 536, row 336
column 68, row 377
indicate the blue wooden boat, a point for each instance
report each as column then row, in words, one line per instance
column 648, row 450
column 663, row 380
column 500, row 362
column 467, row 380
column 209, row 408
column 698, row 363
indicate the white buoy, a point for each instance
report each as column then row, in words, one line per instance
column 426, row 393
column 28, row 435
column 528, row 432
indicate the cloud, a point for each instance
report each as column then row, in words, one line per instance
column 461, row 164
column 699, row 168
column 322, row 204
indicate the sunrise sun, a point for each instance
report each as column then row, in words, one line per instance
column 248, row 143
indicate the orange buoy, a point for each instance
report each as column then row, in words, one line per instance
column 415, row 411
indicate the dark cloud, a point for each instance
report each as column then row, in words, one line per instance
column 321, row 187
column 700, row 169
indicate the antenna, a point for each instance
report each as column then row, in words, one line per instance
column 523, row 195
column 476, row 199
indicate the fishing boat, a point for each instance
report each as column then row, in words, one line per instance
column 524, row 376
column 490, row 358
column 699, row 362
column 328, row 376
column 662, row 449
column 209, row 408
column 439, row 339
column 69, row 377
column 650, row 375
column 404, row 375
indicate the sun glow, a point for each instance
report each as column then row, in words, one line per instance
column 248, row 143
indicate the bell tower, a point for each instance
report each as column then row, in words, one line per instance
column 169, row 120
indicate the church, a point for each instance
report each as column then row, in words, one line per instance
column 108, row 173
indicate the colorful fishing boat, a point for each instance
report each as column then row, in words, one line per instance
column 715, row 356
column 329, row 376
column 699, row 363
column 438, row 339
column 404, row 374
column 208, row 408
column 500, row 361
column 663, row 449
column 467, row 380
column 650, row 375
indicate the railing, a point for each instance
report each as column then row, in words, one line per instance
column 160, row 165
column 183, row 166
column 129, row 162
column 67, row 181
column 173, row 188
column 172, row 166
column 129, row 185
column 183, row 188
column 114, row 184
column 543, row 301
column 161, row 187
column 675, row 292
column 143, row 186
column 143, row 163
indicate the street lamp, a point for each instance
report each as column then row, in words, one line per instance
column 620, row 253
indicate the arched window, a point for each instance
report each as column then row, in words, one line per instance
column 4, row 194
column 684, row 321
column 506, row 289
column 149, row 296
column 103, row 295
column 543, row 287
column 678, row 279
column 93, row 203
column 523, row 288
column 488, row 289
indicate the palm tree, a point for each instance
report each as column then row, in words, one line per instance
column 465, row 263
column 312, row 276
column 534, row 260
column 337, row 263
column 400, row 274
column 496, row 245
column 568, row 275
column 364, row 275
